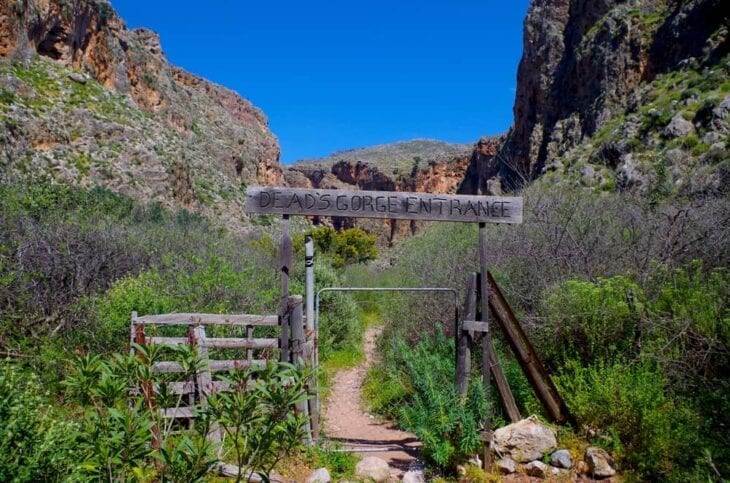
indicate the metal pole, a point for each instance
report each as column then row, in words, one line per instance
column 311, row 332
column 309, row 274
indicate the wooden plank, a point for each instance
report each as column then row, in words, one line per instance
column 219, row 343
column 188, row 387
column 535, row 372
column 182, row 387
column 203, row 379
column 505, row 393
column 487, row 337
column 464, row 338
column 181, row 412
column 384, row 205
column 298, row 341
column 285, row 263
column 207, row 319
column 240, row 343
column 475, row 326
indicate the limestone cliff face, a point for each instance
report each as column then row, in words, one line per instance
column 584, row 61
column 141, row 125
column 420, row 165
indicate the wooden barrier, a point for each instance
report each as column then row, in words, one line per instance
column 297, row 346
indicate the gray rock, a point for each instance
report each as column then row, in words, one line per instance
column 711, row 137
column 587, row 175
column 629, row 176
column 76, row 77
column 373, row 468
column 561, row 459
column 720, row 115
column 320, row 475
column 524, row 440
column 538, row 469
column 600, row 463
column 414, row 476
column 723, row 109
column 475, row 461
column 506, row 466
column 678, row 127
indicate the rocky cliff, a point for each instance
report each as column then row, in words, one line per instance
column 418, row 165
column 85, row 100
column 606, row 83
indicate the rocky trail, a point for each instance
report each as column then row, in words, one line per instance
column 348, row 423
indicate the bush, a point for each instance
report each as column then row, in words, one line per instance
column 351, row 245
column 591, row 321
column 447, row 424
column 36, row 444
column 627, row 407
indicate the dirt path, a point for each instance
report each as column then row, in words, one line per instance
column 348, row 423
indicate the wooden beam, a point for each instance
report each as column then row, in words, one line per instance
column 384, row 205
column 464, row 338
column 298, row 341
column 474, row 326
column 505, row 393
column 531, row 365
column 487, row 337
column 285, row 263
column 206, row 319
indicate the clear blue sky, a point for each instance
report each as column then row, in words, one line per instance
column 334, row 75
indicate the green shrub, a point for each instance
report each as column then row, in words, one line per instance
column 627, row 406
column 591, row 321
column 351, row 245
column 36, row 443
column 447, row 425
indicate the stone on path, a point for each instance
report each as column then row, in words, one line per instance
column 538, row 469
column 506, row 466
column 600, row 463
column 373, row 468
column 320, row 475
column 561, row 459
column 414, row 477
column 525, row 440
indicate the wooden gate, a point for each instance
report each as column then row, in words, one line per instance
column 223, row 343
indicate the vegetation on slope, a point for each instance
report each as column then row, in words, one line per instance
column 625, row 298
column 74, row 264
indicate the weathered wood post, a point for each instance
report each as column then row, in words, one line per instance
column 531, row 365
column 285, row 257
column 312, row 336
column 464, row 338
column 486, row 339
column 297, row 347
column 203, row 379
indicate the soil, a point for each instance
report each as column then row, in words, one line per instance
column 347, row 421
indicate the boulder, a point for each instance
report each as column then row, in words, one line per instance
column 538, row 469
column 525, row 440
column 678, row 127
column 600, row 463
column 506, row 466
column 561, row 459
column 320, row 475
column 414, row 476
column 373, row 468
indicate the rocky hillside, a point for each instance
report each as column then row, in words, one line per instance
column 87, row 101
column 417, row 165
column 632, row 94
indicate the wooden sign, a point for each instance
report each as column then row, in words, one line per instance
column 384, row 204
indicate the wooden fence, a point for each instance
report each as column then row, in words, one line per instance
column 291, row 345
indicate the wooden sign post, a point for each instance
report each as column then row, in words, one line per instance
column 384, row 205
column 401, row 206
